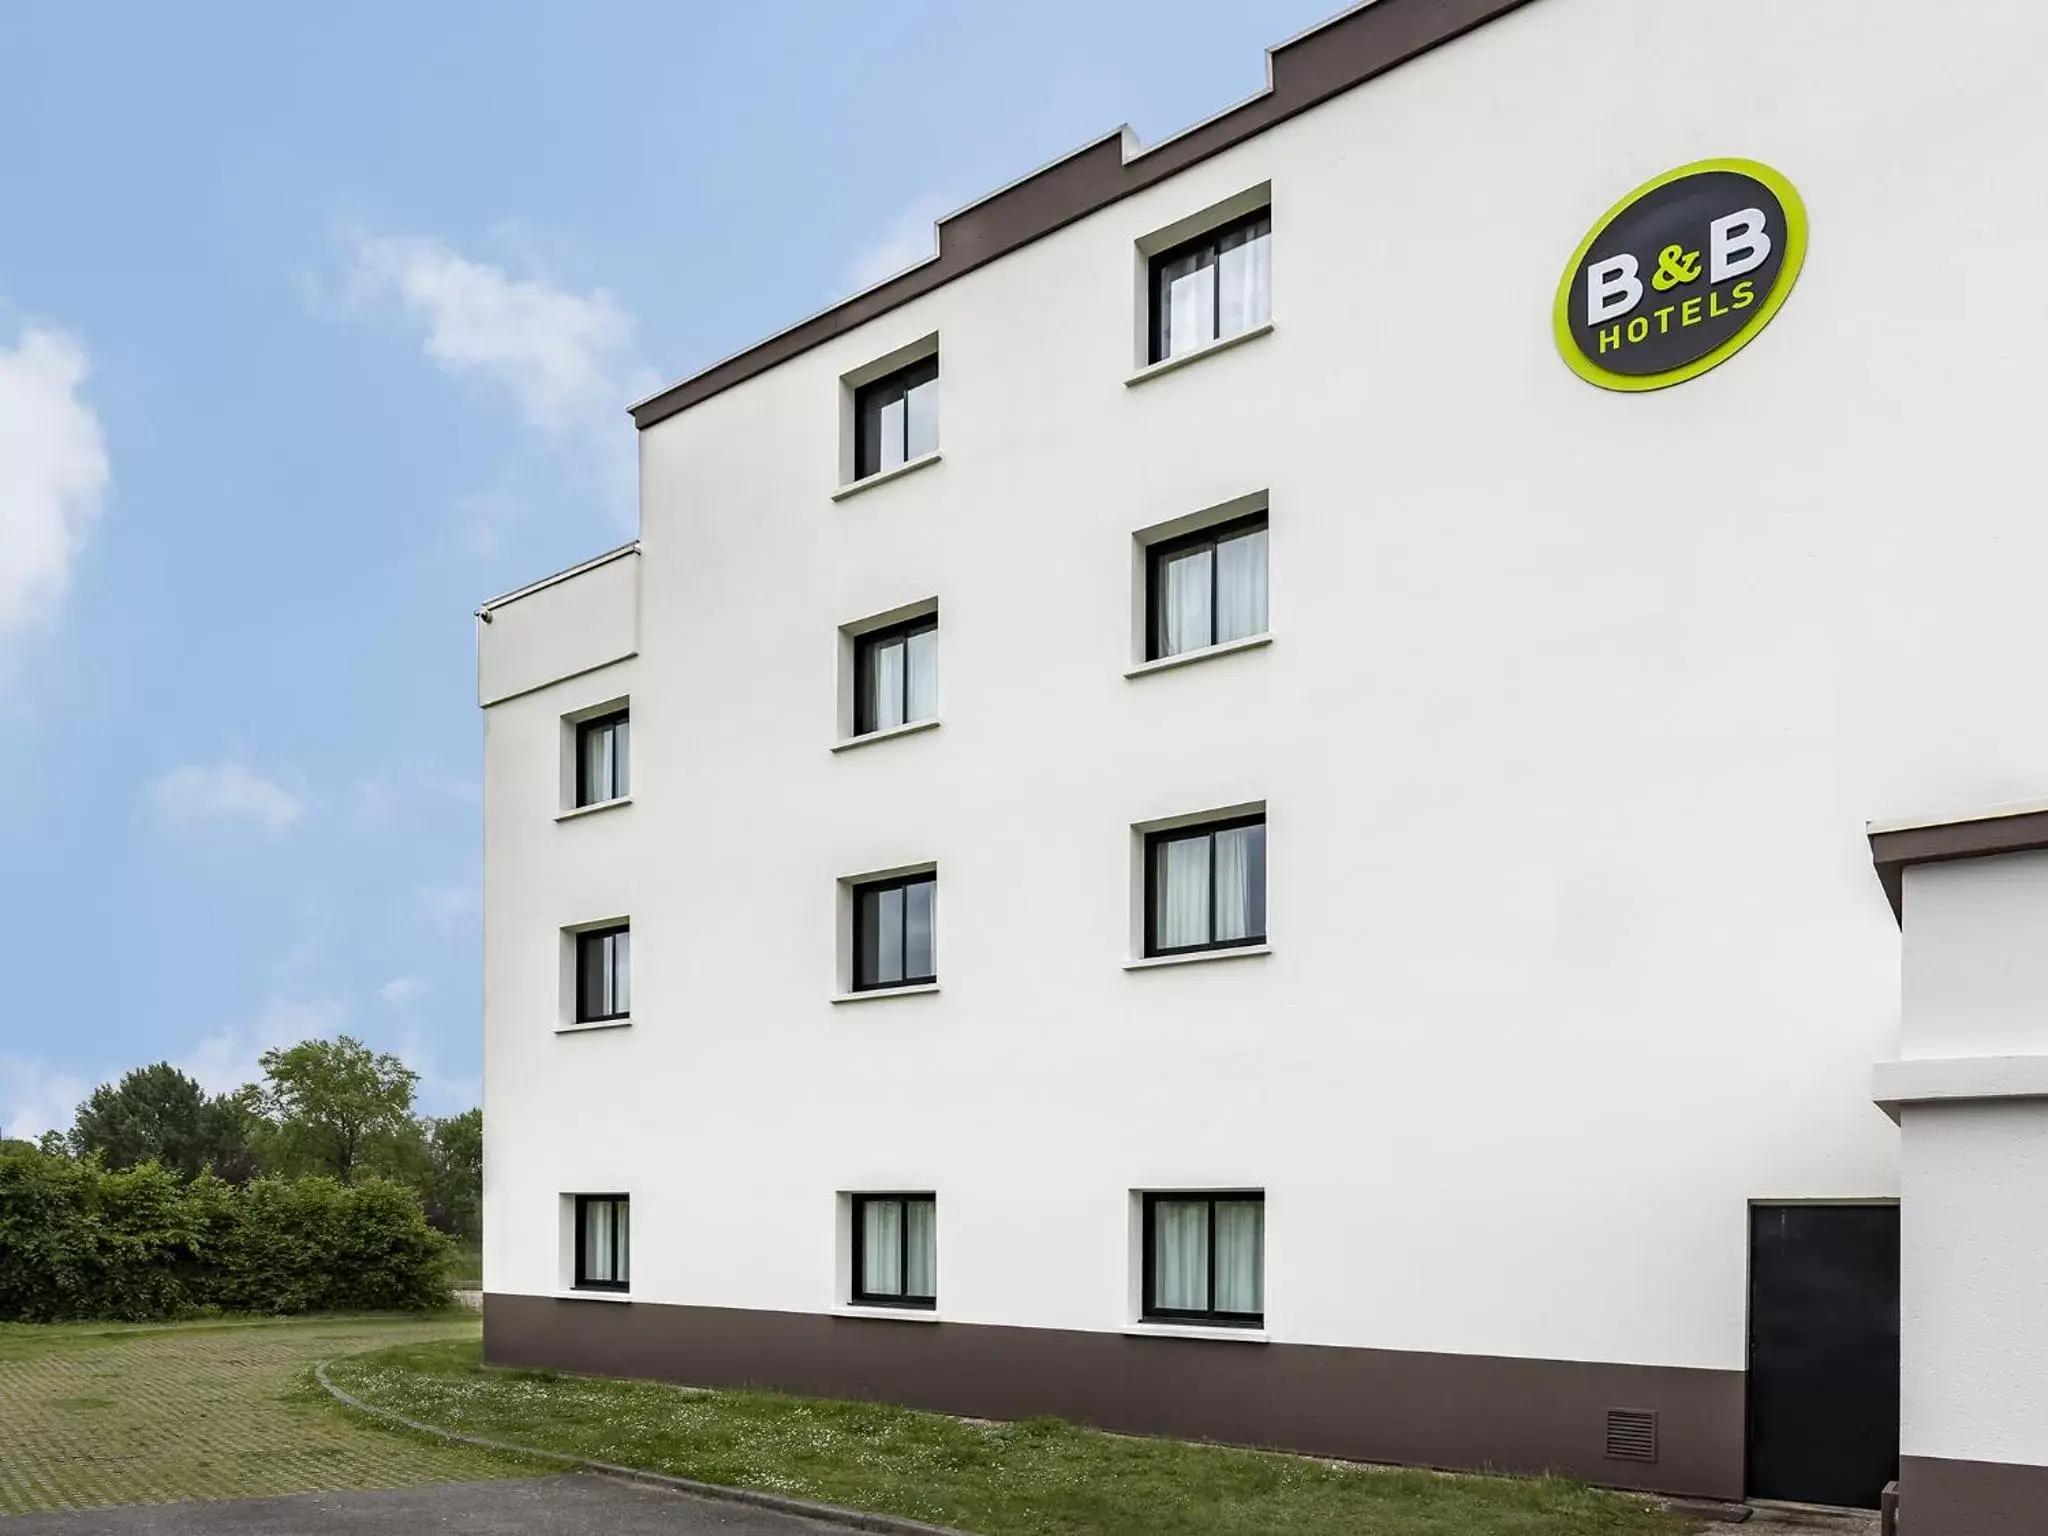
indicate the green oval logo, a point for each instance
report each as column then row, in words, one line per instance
column 1680, row 275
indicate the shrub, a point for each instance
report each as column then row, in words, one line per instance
column 80, row 1241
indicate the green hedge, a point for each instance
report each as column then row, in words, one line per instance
column 78, row 1241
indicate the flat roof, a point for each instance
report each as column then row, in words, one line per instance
column 485, row 608
column 2018, row 826
column 1303, row 72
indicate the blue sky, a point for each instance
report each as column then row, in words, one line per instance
column 317, row 327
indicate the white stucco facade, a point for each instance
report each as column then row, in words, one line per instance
column 1971, row 1095
column 1574, row 709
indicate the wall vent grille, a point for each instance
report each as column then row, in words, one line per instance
column 1631, row 1435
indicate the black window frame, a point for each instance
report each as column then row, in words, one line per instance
column 1156, row 558
column 1180, row 834
column 620, row 1249
column 892, row 883
column 857, row 1294
column 587, row 944
column 1210, row 240
column 585, row 729
column 1150, row 1312
column 864, row 646
column 894, row 385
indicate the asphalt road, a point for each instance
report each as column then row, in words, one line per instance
column 575, row 1505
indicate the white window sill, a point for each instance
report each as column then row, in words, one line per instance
column 888, row 733
column 1181, row 360
column 883, row 476
column 587, row 1025
column 872, row 994
column 1195, row 1331
column 612, row 805
column 573, row 1295
column 1240, row 952
column 1185, row 658
column 890, row 1314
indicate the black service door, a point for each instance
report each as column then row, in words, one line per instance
column 1823, row 1352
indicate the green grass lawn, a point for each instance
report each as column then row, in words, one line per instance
column 107, row 1413
column 1038, row 1478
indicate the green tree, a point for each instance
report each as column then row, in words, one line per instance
column 455, row 1173
column 243, row 1135
column 399, row 1152
column 332, row 1100
column 157, row 1114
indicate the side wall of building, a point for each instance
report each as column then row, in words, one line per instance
column 1974, row 1226
column 1574, row 707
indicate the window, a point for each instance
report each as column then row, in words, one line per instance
column 893, row 940
column 896, row 418
column 604, row 974
column 603, row 1243
column 896, row 675
column 1212, row 287
column 1206, row 886
column 1205, row 1258
column 895, row 1250
column 1207, row 588
column 601, row 752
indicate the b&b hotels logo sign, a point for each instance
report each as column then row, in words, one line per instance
column 1680, row 275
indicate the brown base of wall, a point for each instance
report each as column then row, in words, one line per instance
column 1939, row 1497
column 1474, row 1412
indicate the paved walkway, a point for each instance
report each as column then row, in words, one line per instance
column 556, row 1506
column 90, row 1418
column 1791, row 1520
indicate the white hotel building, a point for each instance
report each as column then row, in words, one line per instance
column 1283, row 869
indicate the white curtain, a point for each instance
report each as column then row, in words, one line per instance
column 622, row 759
column 599, row 1238
column 597, row 766
column 1188, row 300
column 920, row 942
column 619, row 974
column 1181, row 891
column 882, row 936
column 1241, row 586
column 921, row 670
column 881, row 1247
column 1240, row 882
column 922, row 1279
column 1240, row 1255
column 623, row 1248
column 1184, row 614
column 921, row 431
column 885, row 684
column 1180, row 1255
column 1244, row 276
column 891, row 443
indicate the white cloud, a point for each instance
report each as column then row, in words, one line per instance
column 439, row 1093
column 560, row 356
column 410, row 784
column 401, row 992
column 910, row 237
column 35, row 1098
column 53, row 473
column 448, row 907
column 564, row 361
column 224, row 792
column 228, row 1058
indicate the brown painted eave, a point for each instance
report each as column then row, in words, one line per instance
column 1895, row 850
column 1304, row 73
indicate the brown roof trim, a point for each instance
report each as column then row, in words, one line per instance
column 1303, row 73
column 1893, row 849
